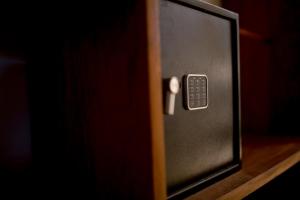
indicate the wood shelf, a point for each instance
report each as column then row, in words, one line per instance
column 254, row 35
column 264, row 158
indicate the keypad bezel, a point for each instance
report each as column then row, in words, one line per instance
column 196, row 91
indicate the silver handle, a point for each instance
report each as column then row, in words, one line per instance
column 172, row 90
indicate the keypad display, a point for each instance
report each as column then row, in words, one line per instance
column 196, row 91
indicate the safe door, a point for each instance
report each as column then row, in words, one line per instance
column 200, row 72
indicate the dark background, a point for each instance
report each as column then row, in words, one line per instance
column 270, row 64
column 270, row 78
column 32, row 88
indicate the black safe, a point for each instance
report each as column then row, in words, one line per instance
column 200, row 72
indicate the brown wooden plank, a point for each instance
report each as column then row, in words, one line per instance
column 264, row 158
column 114, row 101
column 156, row 110
column 253, row 35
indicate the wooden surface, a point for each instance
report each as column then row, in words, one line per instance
column 256, row 62
column 264, row 158
column 97, row 122
column 155, row 96
column 114, row 74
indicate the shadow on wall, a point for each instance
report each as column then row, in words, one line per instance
column 15, row 139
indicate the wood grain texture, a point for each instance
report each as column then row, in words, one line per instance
column 264, row 158
column 256, row 45
column 115, row 74
column 252, row 35
column 97, row 121
column 156, row 110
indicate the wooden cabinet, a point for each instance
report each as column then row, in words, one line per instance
column 94, row 93
column 94, row 107
column 264, row 158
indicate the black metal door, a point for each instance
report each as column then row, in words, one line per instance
column 202, row 139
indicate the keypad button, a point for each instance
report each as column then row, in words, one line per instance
column 197, row 91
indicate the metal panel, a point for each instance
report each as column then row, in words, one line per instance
column 198, row 38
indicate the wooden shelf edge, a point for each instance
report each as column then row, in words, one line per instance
column 262, row 179
column 156, row 116
column 264, row 158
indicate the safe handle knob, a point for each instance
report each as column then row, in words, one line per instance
column 172, row 90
